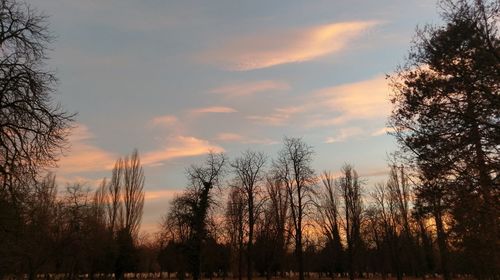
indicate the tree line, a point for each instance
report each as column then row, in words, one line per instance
column 261, row 215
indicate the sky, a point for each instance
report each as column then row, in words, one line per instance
column 176, row 79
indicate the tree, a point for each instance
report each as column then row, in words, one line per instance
column 293, row 168
column 235, row 219
column 392, row 203
column 33, row 128
column 248, row 170
column 328, row 216
column 446, row 118
column 123, row 197
column 202, row 180
column 350, row 188
column 273, row 229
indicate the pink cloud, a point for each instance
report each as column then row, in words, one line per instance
column 229, row 137
column 161, row 194
column 289, row 46
column 214, row 109
column 250, row 88
column 165, row 120
column 177, row 147
column 333, row 106
column 279, row 117
column 234, row 137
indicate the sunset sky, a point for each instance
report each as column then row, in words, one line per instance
column 175, row 79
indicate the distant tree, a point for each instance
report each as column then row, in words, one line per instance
column 293, row 169
column 235, row 222
column 33, row 128
column 248, row 170
column 329, row 219
column 273, row 229
column 351, row 194
column 446, row 117
column 392, row 203
column 123, row 197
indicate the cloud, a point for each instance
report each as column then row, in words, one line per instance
column 360, row 100
column 250, row 88
column 279, row 117
column 83, row 156
column 382, row 131
column 333, row 106
column 289, row 46
column 234, row 137
column 344, row 134
column 165, row 120
column 161, row 194
column 229, row 137
column 215, row 109
column 177, row 147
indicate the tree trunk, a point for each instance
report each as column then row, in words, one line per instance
column 250, row 236
column 443, row 249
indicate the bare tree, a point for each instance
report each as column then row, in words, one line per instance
column 133, row 193
column 350, row 188
column 248, row 169
column 293, row 168
column 124, row 199
column 328, row 216
column 33, row 128
column 235, row 219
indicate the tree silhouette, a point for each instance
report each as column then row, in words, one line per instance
column 446, row 116
column 293, row 168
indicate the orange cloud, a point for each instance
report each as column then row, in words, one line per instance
column 215, row 109
column 83, row 156
column 262, row 51
column 249, row 88
column 179, row 146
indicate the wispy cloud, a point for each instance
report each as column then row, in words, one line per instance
column 235, row 137
column 279, row 117
column 382, row 131
column 361, row 100
column 344, row 134
column 229, row 137
column 286, row 46
column 165, row 120
column 84, row 156
column 250, row 88
column 333, row 106
column 214, row 109
column 161, row 194
column 177, row 147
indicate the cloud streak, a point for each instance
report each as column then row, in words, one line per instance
column 338, row 105
column 214, row 109
column 83, row 155
column 250, row 88
column 177, row 147
column 288, row 46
